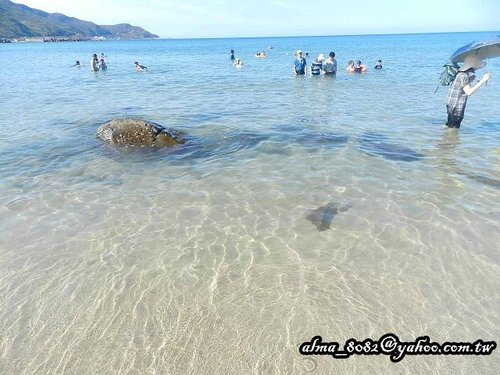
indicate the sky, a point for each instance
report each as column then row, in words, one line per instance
column 254, row 18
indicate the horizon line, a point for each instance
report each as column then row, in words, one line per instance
column 327, row 36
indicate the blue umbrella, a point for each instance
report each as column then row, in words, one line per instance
column 485, row 49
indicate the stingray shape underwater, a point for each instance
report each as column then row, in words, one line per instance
column 322, row 216
column 376, row 144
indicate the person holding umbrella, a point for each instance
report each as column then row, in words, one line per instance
column 461, row 89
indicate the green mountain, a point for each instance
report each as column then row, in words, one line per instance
column 18, row 21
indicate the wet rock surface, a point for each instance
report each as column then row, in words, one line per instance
column 138, row 133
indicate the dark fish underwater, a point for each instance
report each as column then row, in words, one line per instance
column 377, row 144
column 322, row 216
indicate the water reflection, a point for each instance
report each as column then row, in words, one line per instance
column 447, row 155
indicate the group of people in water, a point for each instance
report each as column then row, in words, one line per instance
column 328, row 66
column 460, row 89
column 97, row 64
column 320, row 66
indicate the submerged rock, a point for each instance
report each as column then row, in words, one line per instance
column 138, row 133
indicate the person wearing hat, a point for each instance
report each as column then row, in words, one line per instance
column 317, row 65
column 300, row 64
column 461, row 89
column 330, row 65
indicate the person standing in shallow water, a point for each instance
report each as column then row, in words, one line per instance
column 300, row 64
column 94, row 63
column 102, row 65
column 317, row 65
column 359, row 68
column 330, row 65
column 232, row 55
column 461, row 89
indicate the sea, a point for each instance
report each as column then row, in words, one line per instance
column 299, row 207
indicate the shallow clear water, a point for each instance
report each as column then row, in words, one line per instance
column 207, row 258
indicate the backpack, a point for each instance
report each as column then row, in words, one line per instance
column 448, row 74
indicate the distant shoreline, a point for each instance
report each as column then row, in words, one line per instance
column 55, row 39
column 101, row 38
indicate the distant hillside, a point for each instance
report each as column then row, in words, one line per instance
column 18, row 21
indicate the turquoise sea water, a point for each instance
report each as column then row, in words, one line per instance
column 206, row 259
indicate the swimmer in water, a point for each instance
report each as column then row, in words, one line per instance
column 238, row 63
column 140, row 67
column 102, row 65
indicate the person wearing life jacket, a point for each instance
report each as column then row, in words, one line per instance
column 461, row 89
